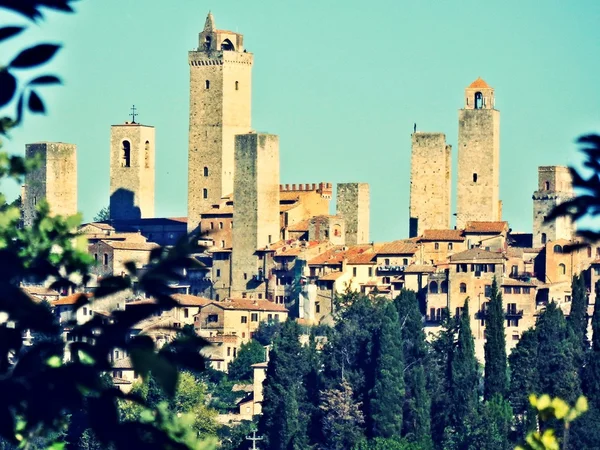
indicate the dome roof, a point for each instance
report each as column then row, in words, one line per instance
column 479, row 84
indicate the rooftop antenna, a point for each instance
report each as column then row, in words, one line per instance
column 133, row 114
column 254, row 438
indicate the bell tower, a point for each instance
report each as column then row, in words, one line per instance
column 220, row 108
column 478, row 185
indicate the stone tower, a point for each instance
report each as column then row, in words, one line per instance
column 256, row 221
column 478, row 186
column 55, row 180
column 131, row 171
column 555, row 186
column 430, row 169
column 353, row 204
column 220, row 94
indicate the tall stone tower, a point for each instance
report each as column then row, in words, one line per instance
column 131, row 171
column 430, row 169
column 478, row 191
column 256, row 221
column 55, row 180
column 353, row 204
column 220, row 94
column 555, row 186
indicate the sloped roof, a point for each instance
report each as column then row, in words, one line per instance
column 250, row 305
column 419, row 268
column 299, row 226
column 124, row 245
column 486, row 227
column 479, row 83
column 191, row 300
column 512, row 282
column 401, row 247
column 331, row 276
column 70, row 300
column 363, row 258
column 477, row 254
column 442, row 235
column 39, row 290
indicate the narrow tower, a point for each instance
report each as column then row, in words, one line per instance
column 256, row 209
column 429, row 183
column 220, row 94
column 55, row 180
column 478, row 196
column 131, row 171
column 555, row 186
column 353, row 204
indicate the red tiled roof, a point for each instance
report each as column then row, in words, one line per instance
column 486, row 227
column 39, row 290
column 124, row 245
column 363, row 258
column 442, row 235
column 419, row 268
column 250, row 305
column 331, row 276
column 477, row 254
column 69, row 300
column 299, row 226
column 191, row 300
column 398, row 248
column 479, row 84
column 297, row 249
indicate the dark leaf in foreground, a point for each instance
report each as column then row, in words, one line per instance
column 34, row 56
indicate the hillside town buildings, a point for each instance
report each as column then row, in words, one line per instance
column 273, row 252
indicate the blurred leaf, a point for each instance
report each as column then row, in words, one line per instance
column 35, row 103
column 9, row 86
column 34, row 56
column 8, row 32
column 45, row 79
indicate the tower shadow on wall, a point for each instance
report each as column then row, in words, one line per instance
column 122, row 206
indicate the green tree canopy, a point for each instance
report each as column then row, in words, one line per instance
column 251, row 352
column 496, row 367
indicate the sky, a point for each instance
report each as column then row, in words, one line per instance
column 341, row 83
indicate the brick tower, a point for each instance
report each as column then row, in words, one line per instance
column 430, row 169
column 131, row 171
column 55, row 180
column 220, row 94
column 478, row 196
column 555, row 186
column 256, row 222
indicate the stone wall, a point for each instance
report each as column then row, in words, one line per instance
column 353, row 204
column 55, row 180
column 429, row 183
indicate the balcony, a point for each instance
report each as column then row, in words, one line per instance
column 514, row 313
column 522, row 276
column 282, row 267
column 390, row 269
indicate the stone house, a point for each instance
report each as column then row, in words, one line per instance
column 111, row 256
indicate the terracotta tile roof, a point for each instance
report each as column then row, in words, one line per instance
column 299, row 226
column 532, row 249
column 331, row 276
column 363, row 258
column 477, row 254
column 295, row 250
column 512, row 282
column 124, row 245
column 39, row 290
column 69, row 300
column 191, row 300
column 442, row 235
column 419, row 268
column 479, row 84
column 99, row 225
column 486, row 227
column 248, row 304
column 514, row 252
column 123, row 363
column 117, row 380
column 286, row 207
column 398, row 248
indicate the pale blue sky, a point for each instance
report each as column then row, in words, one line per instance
column 341, row 83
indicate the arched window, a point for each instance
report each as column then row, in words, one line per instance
column 237, row 85
column 207, row 84
column 205, row 171
column 147, row 155
column 204, row 193
column 544, row 238
column 220, row 225
column 449, row 245
column 547, row 186
column 227, row 46
column 126, row 158
column 436, row 246
column 557, row 249
column 463, row 288
column 207, row 41
column 444, row 286
column 562, row 269
column 474, row 178
column 433, row 287
column 478, row 100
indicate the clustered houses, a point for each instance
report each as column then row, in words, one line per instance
column 268, row 249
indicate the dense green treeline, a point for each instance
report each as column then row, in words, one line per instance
column 378, row 383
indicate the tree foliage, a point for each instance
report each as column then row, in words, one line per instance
column 496, row 367
column 251, row 352
column 343, row 419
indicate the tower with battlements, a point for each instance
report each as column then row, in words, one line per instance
column 555, row 186
column 478, row 184
column 430, row 168
column 132, row 162
column 55, row 180
column 220, row 96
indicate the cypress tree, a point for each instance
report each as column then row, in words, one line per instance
column 386, row 398
column 464, row 383
column 283, row 423
column 416, row 425
column 591, row 373
column 556, row 362
column 496, row 373
column 578, row 315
